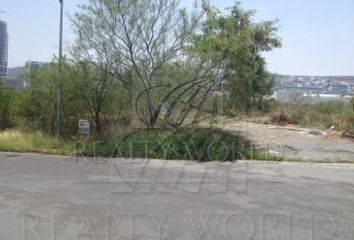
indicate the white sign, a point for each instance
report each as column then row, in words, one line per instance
column 84, row 127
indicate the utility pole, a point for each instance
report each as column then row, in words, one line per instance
column 59, row 87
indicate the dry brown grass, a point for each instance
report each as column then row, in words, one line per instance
column 21, row 141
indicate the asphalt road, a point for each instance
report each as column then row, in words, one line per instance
column 55, row 198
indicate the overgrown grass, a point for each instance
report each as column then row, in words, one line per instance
column 183, row 144
column 23, row 141
column 321, row 115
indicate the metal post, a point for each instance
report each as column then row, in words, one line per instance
column 59, row 87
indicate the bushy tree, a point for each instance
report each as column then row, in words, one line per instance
column 232, row 39
column 36, row 104
column 104, row 99
column 87, row 94
column 134, row 42
column 152, row 58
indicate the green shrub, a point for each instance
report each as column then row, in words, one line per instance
column 186, row 144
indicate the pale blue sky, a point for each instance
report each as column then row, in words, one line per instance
column 318, row 36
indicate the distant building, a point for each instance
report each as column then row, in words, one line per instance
column 289, row 94
column 15, row 77
column 16, row 72
column 33, row 66
column 340, row 89
column 3, row 49
column 18, row 76
column 15, row 83
column 329, row 95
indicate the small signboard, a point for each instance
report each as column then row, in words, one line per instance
column 84, row 127
column 164, row 109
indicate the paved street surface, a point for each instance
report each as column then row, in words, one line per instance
column 57, row 198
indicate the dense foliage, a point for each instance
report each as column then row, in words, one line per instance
column 149, row 63
column 182, row 144
column 6, row 105
column 234, row 41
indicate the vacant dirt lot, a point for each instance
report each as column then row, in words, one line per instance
column 293, row 142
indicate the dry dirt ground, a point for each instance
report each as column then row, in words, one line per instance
column 295, row 143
